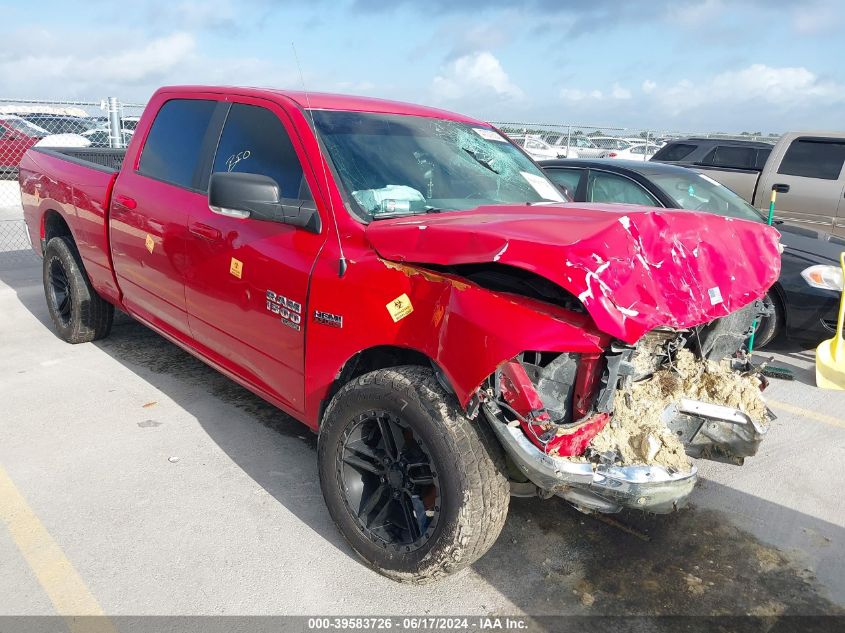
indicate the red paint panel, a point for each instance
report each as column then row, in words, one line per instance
column 466, row 330
column 80, row 195
column 576, row 442
column 633, row 269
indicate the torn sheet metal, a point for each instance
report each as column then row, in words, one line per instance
column 634, row 270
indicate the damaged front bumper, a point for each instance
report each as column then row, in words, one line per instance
column 715, row 432
column 590, row 487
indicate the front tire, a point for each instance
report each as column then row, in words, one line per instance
column 417, row 489
column 79, row 314
column 769, row 328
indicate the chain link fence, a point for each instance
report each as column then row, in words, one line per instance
column 27, row 123
column 111, row 123
column 548, row 141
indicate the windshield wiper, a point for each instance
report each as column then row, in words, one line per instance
column 405, row 214
column 485, row 162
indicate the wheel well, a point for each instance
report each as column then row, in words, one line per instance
column 778, row 293
column 55, row 226
column 375, row 358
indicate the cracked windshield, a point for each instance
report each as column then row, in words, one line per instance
column 394, row 165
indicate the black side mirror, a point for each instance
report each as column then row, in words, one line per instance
column 256, row 196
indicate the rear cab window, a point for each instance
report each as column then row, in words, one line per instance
column 674, row 151
column 814, row 158
column 731, row 156
column 172, row 149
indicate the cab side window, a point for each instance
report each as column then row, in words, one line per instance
column 172, row 149
column 814, row 158
column 254, row 141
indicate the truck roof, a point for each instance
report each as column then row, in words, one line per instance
column 330, row 101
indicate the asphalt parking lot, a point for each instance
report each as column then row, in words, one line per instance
column 138, row 481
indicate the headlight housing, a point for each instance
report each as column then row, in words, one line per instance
column 825, row 277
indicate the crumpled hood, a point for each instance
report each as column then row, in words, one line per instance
column 633, row 268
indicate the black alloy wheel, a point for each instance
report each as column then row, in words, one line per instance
column 78, row 313
column 60, row 291
column 388, row 481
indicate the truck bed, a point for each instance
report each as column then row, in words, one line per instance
column 101, row 158
column 76, row 183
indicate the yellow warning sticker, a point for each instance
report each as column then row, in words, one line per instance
column 150, row 242
column 400, row 307
column 236, row 268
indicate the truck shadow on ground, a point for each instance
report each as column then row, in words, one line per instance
column 550, row 559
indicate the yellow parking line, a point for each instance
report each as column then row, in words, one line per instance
column 58, row 578
column 813, row 415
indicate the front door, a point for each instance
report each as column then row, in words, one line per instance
column 247, row 279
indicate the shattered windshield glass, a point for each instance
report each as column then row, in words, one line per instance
column 393, row 165
column 701, row 193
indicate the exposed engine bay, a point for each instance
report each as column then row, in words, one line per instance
column 631, row 418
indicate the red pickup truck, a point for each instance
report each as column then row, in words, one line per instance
column 406, row 282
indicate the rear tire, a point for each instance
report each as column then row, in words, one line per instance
column 417, row 515
column 79, row 314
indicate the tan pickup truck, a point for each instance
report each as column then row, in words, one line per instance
column 809, row 163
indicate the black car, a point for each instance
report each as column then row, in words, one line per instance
column 715, row 152
column 799, row 310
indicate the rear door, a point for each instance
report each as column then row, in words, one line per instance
column 151, row 202
column 247, row 279
column 568, row 177
column 813, row 168
column 604, row 186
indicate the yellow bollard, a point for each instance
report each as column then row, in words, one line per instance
column 830, row 354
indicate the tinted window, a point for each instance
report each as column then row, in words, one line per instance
column 254, row 141
column 762, row 157
column 173, row 146
column 604, row 187
column 567, row 177
column 814, row 158
column 728, row 156
column 674, row 151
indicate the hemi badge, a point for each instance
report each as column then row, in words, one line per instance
column 327, row 318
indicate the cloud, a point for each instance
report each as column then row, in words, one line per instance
column 574, row 18
column 648, row 86
column 617, row 93
column 77, row 71
column 817, row 18
column 574, row 94
column 87, row 66
column 757, row 83
column 696, row 13
column 476, row 75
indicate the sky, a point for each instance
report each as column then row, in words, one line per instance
column 705, row 65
